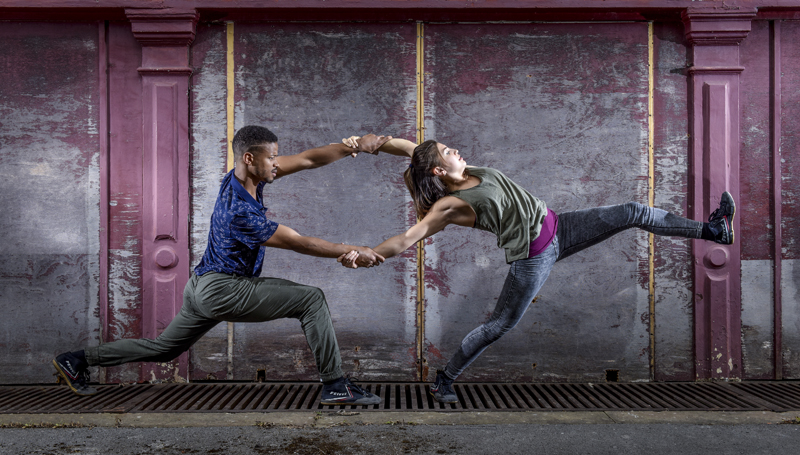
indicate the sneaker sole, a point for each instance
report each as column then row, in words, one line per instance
column 66, row 379
column 733, row 204
column 442, row 401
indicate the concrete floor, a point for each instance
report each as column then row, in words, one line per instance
column 402, row 432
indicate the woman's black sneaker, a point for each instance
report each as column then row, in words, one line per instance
column 721, row 221
column 344, row 391
column 74, row 372
column 442, row 389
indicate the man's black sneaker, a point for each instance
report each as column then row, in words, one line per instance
column 442, row 389
column 344, row 391
column 721, row 221
column 75, row 374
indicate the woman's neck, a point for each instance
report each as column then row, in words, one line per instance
column 465, row 181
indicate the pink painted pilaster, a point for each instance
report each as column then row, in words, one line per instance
column 715, row 34
column 165, row 36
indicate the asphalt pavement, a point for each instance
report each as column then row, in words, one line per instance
column 595, row 432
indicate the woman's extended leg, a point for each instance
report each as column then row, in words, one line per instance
column 523, row 281
column 581, row 229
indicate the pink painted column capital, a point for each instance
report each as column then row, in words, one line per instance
column 714, row 34
column 165, row 36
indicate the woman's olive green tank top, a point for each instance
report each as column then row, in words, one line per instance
column 505, row 209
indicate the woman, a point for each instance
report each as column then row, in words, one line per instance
column 447, row 191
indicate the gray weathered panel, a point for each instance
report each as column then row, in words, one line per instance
column 757, row 319
column 562, row 110
column 674, row 307
column 790, row 287
column 315, row 84
column 209, row 160
column 49, row 194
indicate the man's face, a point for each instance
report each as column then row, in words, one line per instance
column 264, row 162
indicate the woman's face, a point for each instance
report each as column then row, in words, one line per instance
column 452, row 163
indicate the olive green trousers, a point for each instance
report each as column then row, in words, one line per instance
column 216, row 297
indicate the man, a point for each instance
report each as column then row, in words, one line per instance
column 226, row 286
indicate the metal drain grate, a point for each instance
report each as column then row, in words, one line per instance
column 274, row 397
column 776, row 396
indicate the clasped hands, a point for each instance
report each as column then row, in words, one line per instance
column 361, row 257
column 369, row 143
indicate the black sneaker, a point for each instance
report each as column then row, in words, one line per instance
column 721, row 221
column 344, row 391
column 442, row 389
column 75, row 374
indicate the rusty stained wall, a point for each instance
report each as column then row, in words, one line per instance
column 674, row 307
column 125, row 194
column 790, row 189
column 49, row 151
column 208, row 357
column 312, row 85
column 756, row 231
column 562, row 110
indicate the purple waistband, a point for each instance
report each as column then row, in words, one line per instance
column 546, row 235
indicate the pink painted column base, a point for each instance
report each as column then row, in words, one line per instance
column 165, row 36
column 715, row 34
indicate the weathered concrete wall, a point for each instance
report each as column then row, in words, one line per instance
column 125, row 194
column 562, row 110
column 674, row 355
column 790, row 186
column 209, row 358
column 312, row 85
column 49, row 193
column 756, row 232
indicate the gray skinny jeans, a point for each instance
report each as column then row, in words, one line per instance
column 576, row 231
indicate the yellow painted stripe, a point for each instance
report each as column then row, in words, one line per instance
column 651, row 196
column 420, row 245
column 229, row 109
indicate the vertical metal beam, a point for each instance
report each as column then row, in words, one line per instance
column 104, row 185
column 651, row 199
column 714, row 34
column 775, row 120
column 165, row 36
column 230, row 84
column 421, row 360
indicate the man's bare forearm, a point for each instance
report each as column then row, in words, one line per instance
column 326, row 154
column 313, row 246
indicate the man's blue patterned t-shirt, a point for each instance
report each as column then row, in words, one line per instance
column 239, row 225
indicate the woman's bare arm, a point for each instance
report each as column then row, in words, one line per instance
column 398, row 147
column 448, row 210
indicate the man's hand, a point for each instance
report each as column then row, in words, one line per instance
column 371, row 143
column 361, row 257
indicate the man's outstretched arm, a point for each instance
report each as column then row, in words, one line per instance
column 288, row 239
column 327, row 154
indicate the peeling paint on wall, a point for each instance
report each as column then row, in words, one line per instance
column 208, row 358
column 124, row 194
column 790, row 188
column 674, row 307
column 311, row 84
column 562, row 110
column 50, row 194
column 757, row 319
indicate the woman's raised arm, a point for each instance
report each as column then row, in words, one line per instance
column 399, row 147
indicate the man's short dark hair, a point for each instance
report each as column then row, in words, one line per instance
column 251, row 136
